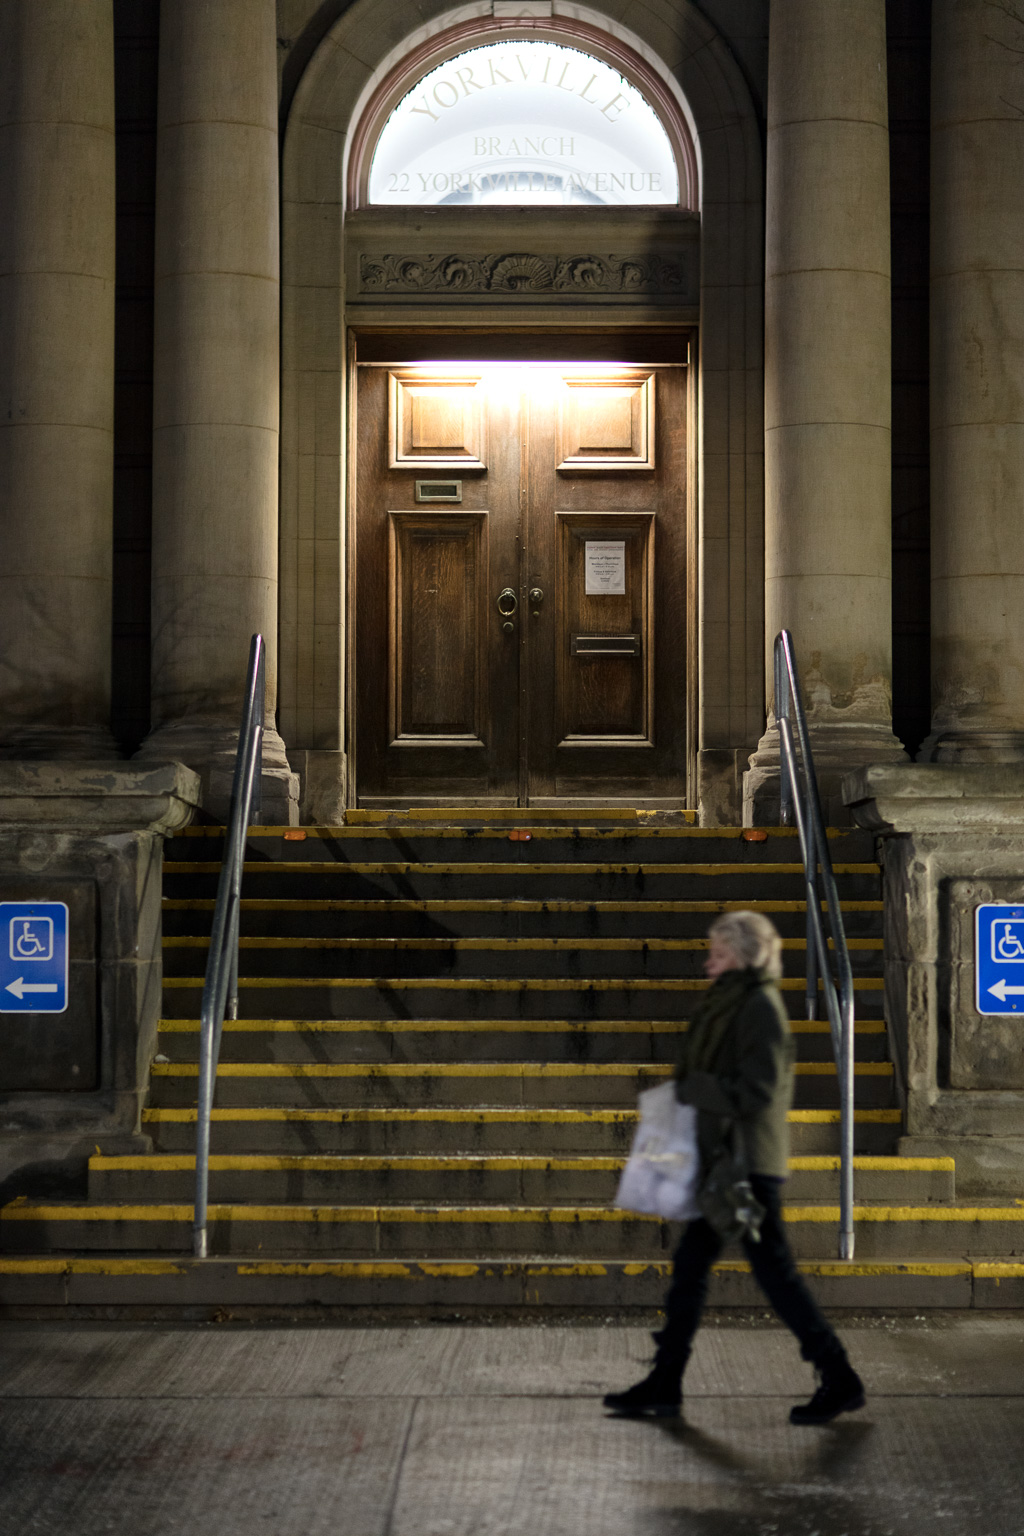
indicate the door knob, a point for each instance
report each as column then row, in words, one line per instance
column 507, row 602
column 536, row 596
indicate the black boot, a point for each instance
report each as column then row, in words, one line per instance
column 841, row 1391
column 656, row 1397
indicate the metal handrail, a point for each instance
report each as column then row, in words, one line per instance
column 800, row 799
column 220, row 989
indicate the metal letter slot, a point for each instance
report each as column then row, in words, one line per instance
column 605, row 645
column 438, row 490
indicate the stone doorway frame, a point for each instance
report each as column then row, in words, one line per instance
column 319, row 306
column 543, row 345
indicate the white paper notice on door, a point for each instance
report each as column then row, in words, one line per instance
column 605, row 567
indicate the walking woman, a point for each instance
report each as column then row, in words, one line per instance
column 736, row 1069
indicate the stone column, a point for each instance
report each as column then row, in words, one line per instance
column 977, row 391
column 56, row 376
column 216, row 389
column 827, row 387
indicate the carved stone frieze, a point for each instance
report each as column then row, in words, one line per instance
column 521, row 273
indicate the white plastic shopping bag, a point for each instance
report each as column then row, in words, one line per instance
column 661, row 1175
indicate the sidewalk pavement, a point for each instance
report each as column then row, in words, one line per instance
column 457, row 1430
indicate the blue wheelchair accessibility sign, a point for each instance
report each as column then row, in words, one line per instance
column 33, row 957
column 999, row 958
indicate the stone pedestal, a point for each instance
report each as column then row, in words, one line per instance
column 827, row 388
column 216, row 391
column 56, row 376
column 89, row 834
column 323, row 776
column 977, row 385
column 951, row 838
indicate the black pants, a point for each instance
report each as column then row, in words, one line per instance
column 775, row 1272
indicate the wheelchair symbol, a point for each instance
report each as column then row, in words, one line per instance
column 1008, row 942
column 31, row 938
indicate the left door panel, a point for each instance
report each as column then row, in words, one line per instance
column 436, row 663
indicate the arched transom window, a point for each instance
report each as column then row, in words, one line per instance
column 530, row 122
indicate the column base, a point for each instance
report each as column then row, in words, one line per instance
column 323, row 776
column 838, row 749
column 987, row 1167
column 953, row 839
column 91, row 836
column 79, row 743
column 972, row 747
column 209, row 748
column 719, row 789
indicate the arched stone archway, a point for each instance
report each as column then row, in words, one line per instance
column 358, row 49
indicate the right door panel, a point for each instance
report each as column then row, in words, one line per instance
column 606, row 531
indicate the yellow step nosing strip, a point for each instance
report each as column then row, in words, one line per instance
column 429, row 868
column 859, row 1269
column 483, row 1026
column 907, row 1213
column 833, row 1116
column 498, row 983
column 81, row 1266
column 501, row 1069
column 445, row 824
column 508, row 1115
column 172, row 1162
column 495, row 945
column 866, row 1163
column 435, row 1026
column 357, row 1163
column 497, row 907
column 485, row 1214
column 377, row 1269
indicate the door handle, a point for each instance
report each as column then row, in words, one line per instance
column 508, row 602
column 536, row 596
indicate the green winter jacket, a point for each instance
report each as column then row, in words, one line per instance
column 736, row 1063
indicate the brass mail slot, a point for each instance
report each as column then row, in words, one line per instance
column 605, row 645
column 438, row 490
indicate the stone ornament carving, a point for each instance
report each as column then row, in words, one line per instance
column 521, row 273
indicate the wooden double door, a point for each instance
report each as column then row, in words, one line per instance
column 520, row 584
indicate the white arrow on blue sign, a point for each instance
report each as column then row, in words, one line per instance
column 33, row 956
column 999, row 958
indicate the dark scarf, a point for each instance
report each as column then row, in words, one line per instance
column 713, row 1016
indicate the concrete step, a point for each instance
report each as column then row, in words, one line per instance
column 604, row 813
column 550, row 1132
column 488, row 814
column 551, row 1084
column 520, row 842
column 253, row 1286
column 566, row 1040
column 473, row 1178
column 487, row 1232
column 499, row 919
column 537, row 880
column 484, row 957
column 383, row 997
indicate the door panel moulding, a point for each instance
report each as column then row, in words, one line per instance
column 450, row 549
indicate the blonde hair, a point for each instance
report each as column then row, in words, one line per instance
column 753, row 939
